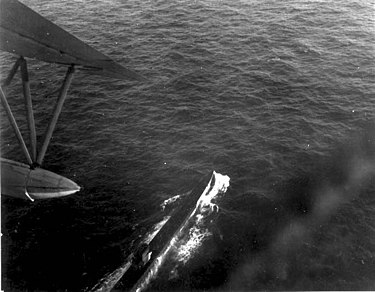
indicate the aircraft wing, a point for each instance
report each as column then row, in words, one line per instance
column 26, row 33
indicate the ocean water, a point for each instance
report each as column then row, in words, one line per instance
column 277, row 95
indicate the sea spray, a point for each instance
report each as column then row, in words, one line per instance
column 192, row 225
column 169, row 201
column 217, row 185
column 198, row 232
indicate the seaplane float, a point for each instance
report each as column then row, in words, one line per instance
column 27, row 34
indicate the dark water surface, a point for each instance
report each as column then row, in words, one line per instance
column 278, row 95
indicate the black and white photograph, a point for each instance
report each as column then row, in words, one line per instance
column 187, row 145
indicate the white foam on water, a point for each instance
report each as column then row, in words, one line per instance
column 169, row 201
column 195, row 239
column 186, row 248
column 203, row 207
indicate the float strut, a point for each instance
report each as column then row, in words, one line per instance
column 29, row 107
column 13, row 122
column 56, row 113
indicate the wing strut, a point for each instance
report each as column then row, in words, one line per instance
column 29, row 107
column 56, row 113
column 34, row 160
column 13, row 122
column 12, row 72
